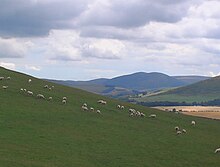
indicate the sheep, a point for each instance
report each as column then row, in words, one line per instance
column 118, row 106
column 25, row 90
column 8, row 78
column 45, row 86
column 4, row 87
column 184, row 130
column 193, row 123
column 50, row 98
column 21, row 89
column 49, row 88
column 64, row 98
column 40, row 96
column 131, row 110
column 142, row 114
column 1, row 78
column 131, row 114
column 84, row 108
column 85, row 105
column 122, row 107
column 177, row 128
column 178, row 132
column 64, row 101
column 152, row 116
column 102, row 102
column 217, row 150
column 29, row 80
column 30, row 93
column 98, row 111
column 52, row 86
column 92, row 109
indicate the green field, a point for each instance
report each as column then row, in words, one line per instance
column 179, row 98
column 41, row 133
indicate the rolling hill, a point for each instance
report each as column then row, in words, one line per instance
column 131, row 84
column 203, row 91
column 40, row 133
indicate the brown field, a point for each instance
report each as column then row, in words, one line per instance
column 212, row 112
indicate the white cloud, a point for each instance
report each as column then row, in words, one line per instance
column 8, row 65
column 31, row 67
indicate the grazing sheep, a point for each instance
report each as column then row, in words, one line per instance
column 85, row 105
column 8, row 78
column 131, row 110
column 178, row 132
column 1, row 78
column 30, row 93
column 52, row 86
column 122, row 107
column 102, row 102
column 49, row 88
column 142, row 114
column 21, row 89
column 64, row 98
column 64, row 101
column 40, row 96
column 98, row 111
column 152, row 116
column 84, row 108
column 177, row 128
column 217, row 150
column 184, row 130
column 29, row 81
column 131, row 114
column 118, row 106
column 50, row 98
column 25, row 90
column 193, row 123
column 92, row 109
column 4, row 87
column 45, row 86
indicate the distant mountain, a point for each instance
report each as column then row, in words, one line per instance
column 131, row 84
column 191, row 79
column 145, row 81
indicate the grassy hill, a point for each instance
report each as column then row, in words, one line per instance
column 41, row 133
column 203, row 91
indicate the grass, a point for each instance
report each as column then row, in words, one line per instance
column 39, row 133
column 179, row 98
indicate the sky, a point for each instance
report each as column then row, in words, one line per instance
column 88, row 39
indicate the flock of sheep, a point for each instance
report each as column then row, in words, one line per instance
column 132, row 112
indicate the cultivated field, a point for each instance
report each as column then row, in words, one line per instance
column 200, row 111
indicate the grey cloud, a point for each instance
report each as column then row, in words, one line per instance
column 36, row 18
column 127, row 14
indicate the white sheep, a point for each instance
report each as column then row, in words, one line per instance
column 4, row 87
column 84, row 104
column 21, row 89
column 45, row 86
column 98, row 111
column 29, row 80
column 118, row 106
column 25, row 90
column 40, row 96
column 50, row 98
column 193, row 123
column 184, row 130
column 84, row 108
column 152, row 116
column 92, row 109
column 30, row 93
column 122, row 107
column 177, row 128
column 178, row 132
column 64, row 101
column 50, row 88
column 142, row 114
column 64, row 98
column 1, row 78
column 217, row 150
column 8, row 78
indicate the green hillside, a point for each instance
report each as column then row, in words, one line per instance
column 203, row 91
column 41, row 133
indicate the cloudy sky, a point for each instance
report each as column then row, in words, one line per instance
column 87, row 39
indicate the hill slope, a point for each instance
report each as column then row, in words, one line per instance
column 41, row 133
column 203, row 91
